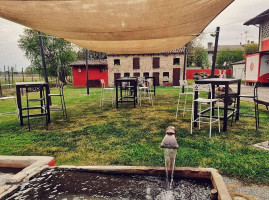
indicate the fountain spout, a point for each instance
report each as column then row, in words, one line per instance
column 169, row 140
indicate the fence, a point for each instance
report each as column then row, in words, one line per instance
column 8, row 78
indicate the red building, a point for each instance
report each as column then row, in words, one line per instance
column 257, row 65
column 97, row 70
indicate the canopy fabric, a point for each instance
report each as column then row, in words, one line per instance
column 117, row 26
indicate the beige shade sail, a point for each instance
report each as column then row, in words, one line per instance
column 117, row 26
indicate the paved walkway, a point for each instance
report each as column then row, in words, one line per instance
column 263, row 92
column 240, row 190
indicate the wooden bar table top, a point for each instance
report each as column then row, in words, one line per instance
column 20, row 85
column 224, row 82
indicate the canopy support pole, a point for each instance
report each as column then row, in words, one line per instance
column 87, row 71
column 184, row 66
column 215, row 53
column 44, row 63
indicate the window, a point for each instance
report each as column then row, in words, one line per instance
column 103, row 70
column 156, row 62
column 166, row 74
column 165, row 78
column 116, row 61
column 126, row 74
column 176, row 61
column 136, row 63
column 137, row 74
column 146, row 74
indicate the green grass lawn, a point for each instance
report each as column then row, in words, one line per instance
column 94, row 135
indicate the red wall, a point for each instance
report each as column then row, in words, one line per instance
column 190, row 72
column 79, row 78
column 265, row 45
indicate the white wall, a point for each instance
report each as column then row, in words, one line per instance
column 239, row 71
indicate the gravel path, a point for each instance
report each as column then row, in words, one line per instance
column 241, row 191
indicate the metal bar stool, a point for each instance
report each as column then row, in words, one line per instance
column 61, row 95
column 200, row 101
column 144, row 90
column 254, row 97
column 16, row 106
column 42, row 100
column 183, row 84
column 105, row 90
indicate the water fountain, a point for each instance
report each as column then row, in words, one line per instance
column 121, row 182
column 170, row 146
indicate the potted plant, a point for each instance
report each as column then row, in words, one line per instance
column 196, row 76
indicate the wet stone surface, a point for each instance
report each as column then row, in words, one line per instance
column 67, row 184
column 6, row 173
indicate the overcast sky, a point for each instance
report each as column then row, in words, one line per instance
column 230, row 21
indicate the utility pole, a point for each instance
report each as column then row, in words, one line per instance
column 215, row 52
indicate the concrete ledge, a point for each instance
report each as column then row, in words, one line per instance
column 42, row 163
column 31, row 164
column 186, row 172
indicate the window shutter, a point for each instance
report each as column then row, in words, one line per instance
column 156, row 62
column 136, row 64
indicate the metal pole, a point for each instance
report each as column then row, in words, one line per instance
column 87, row 71
column 43, row 57
column 22, row 74
column 184, row 66
column 32, row 74
column 44, row 67
column 215, row 53
column 5, row 73
column 12, row 76
column 8, row 75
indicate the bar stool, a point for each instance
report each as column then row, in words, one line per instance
column 105, row 90
column 41, row 100
column 16, row 106
column 200, row 101
column 61, row 95
column 144, row 91
column 183, row 84
column 254, row 97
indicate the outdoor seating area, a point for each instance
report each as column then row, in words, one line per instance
column 77, row 138
column 123, row 100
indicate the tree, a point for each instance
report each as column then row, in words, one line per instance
column 227, row 56
column 58, row 53
column 30, row 70
column 196, row 54
column 92, row 54
column 251, row 48
column 200, row 57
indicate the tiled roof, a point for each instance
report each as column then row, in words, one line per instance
column 231, row 47
column 264, row 16
column 90, row 62
column 239, row 62
column 175, row 51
